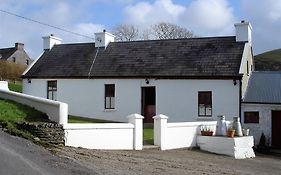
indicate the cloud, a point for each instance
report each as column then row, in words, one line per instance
column 203, row 17
column 58, row 13
column 265, row 17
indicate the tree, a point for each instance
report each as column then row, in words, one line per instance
column 170, row 31
column 126, row 32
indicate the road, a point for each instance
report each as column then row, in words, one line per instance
column 20, row 156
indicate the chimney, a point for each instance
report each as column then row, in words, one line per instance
column 19, row 46
column 243, row 32
column 50, row 41
column 102, row 39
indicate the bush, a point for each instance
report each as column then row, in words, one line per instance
column 11, row 71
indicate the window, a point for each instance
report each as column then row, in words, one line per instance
column 247, row 68
column 27, row 62
column 52, row 90
column 205, row 103
column 14, row 59
column 109, row 99
column 251, row 117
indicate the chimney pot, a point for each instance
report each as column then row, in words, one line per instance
column 104, row 30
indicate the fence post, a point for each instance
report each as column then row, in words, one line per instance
column 160, row 129
column 136, row 120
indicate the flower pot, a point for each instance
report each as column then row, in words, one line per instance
column 230, row 133
column 207, row 133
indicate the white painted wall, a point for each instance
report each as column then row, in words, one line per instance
column 56, row 111
column 112, row 136
column 4, row 85
column 185, row 132
column 264, row 124
column 175, row 98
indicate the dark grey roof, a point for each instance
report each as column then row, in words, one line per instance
column 264, row 87
column 5, row 53
column 209, row 57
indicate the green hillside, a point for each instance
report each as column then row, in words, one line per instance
column 268, row 61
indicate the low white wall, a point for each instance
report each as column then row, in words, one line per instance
column 56, row 111
column 100, row 136
column 111, row 136
column 4, row 85
column 177, row 135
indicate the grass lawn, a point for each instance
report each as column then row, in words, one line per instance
column 15, row 87
column 148, row 136
column 12, row 113
column 75, row 119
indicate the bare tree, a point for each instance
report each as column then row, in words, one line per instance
column 170, row 31
column 126, row 32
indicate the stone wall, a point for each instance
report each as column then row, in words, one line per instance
column 51, row 133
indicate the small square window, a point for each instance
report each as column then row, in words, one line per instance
column 251, row 117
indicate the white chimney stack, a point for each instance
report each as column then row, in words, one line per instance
column 243, row 32
column 102, row 39
column 50, row 41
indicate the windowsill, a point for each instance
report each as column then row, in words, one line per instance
column 203, row 118
column 109, row 110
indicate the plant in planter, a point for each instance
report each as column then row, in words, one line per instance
column 206, row 131
column 230, row 132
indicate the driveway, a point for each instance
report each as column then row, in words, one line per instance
column 20, row 156
column 175, row 162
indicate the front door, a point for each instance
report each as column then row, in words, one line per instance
column 148, row 103
column 276, row 129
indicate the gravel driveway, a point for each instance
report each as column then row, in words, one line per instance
column 182, row 161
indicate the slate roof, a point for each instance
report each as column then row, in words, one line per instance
column 264, row 87
column 5, row 53
column 180, row 58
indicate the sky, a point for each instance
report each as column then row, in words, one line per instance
column 202, row 17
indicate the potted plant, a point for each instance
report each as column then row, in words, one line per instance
column 230, row 132
column 205, row 131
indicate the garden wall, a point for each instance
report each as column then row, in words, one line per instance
column 111, row 136
column 56, row 111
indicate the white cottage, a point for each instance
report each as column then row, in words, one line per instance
column 261, row 107
column 185, row 79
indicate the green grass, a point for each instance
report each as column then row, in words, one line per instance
column 15, row 87
column 12, row 113
column 268, row 61
column 148, row 136
column 75, row 119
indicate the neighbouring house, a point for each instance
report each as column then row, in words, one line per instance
column 15, row 54
column 185, row 79
column 261, row 107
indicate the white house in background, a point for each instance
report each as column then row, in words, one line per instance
column 185, row 79
column 261, row 107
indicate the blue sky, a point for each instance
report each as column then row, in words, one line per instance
column 203, row 17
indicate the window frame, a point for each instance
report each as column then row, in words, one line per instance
column 110, row 95
column 52, row 89
column 205, row 105
column 252, row 120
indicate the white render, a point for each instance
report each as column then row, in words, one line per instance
column 178, row 135
column 111, row 136
column 56, row 111
column 237, row 147
column 264, row 125
column 243, row 32
column 4, row 85
column 50, row 41
column 175, row 98
column 102, row 39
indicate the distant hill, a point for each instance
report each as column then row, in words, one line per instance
column 268, row 61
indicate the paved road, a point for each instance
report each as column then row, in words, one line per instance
column 20, row 156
